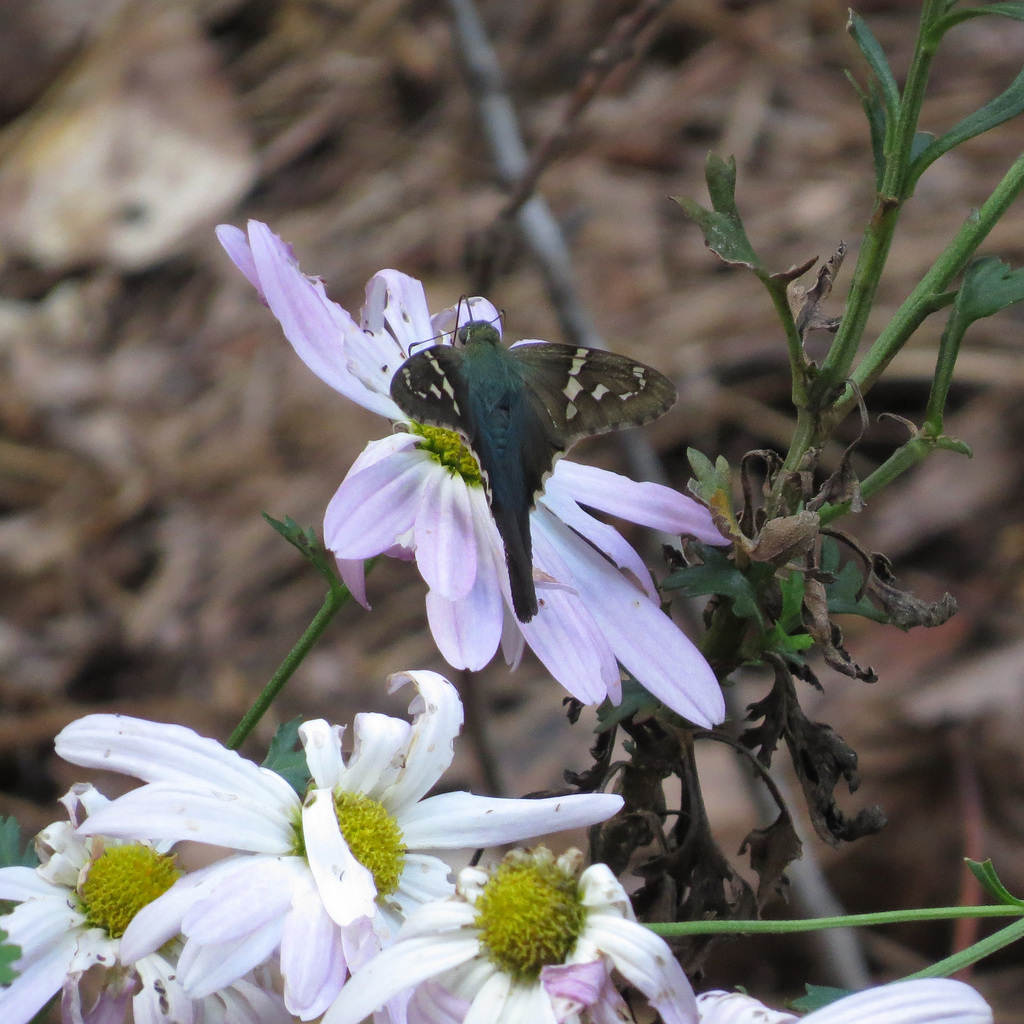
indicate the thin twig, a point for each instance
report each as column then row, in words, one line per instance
column 619, row 47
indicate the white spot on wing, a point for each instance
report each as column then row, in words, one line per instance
column 599, row 392
column 573, row 388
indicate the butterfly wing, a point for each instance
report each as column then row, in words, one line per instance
column 586, row 391
column 430, row 387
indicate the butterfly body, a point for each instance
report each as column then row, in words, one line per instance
column 518, row 411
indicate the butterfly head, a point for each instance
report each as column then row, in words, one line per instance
column 477, row 333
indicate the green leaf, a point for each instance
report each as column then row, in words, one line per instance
column 8, row 955
column 1006, row 105
column 719, row 576
column 11, row 853
column 1013, row 10
column 818, row 996
column 875, row 56
column 874, row 111
column 710, row 479
column 635, row 700
column 286, row 756
column 986, row 874
column 842, row 592
column 722, row 226
column 307, row 544
column 989, row 285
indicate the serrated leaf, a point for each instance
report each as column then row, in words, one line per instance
column 1006, row 105
column 719, row 576
column 710, row 479
column 722, row 226
column 306, row 543
column 9, row 954
column 875, row 56
column 287, row 758
column 986, row 874
column 818, row 996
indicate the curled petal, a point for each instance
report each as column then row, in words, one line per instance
column 645, row 961
column 346, row 887
column 437, row 720
column 318, row 329
column 379, row 741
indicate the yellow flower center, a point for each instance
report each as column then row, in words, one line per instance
column 529, row 915
column 450, row 451
column 123, row 880
column 373, row 837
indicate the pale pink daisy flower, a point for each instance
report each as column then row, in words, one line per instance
column 417, row 494
column 327, row 878
column 71, row 914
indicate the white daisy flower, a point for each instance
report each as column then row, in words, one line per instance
column 923, row 1001
column 533, row 942
column 71, row 915
column 327, row 879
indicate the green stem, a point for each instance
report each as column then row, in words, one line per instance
column 971, row 955
column 931, row 293
column 337, row 597
column 675, row 929
column 895, row 188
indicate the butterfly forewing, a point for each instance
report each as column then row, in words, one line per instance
column 429, row 387
column 590, row 391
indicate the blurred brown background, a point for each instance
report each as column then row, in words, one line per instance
column 150, row 408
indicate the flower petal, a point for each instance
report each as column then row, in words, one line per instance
column 318, row 329
column 376, row 505
column 444, row 535
column 476, row 307
column 604, row 537
column 738, row 1008
column 398, row 967
column 645, row 961
column 922, row 1001
column 457, row 820
column 158, row 752
column 346, row 887
column 437, row 719
column 378, row 741
column 236, row 245
column 396, row 309
column 205, row 969
column 425, row 880
column 467, row 631
column 643, row 502
column 321, row 743
column 647, row 642
column 166, row 811
column 312, row 960
column 564, row 633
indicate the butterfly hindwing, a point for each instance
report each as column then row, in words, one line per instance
column 590, row 391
